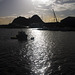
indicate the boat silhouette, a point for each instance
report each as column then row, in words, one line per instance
column 21, row 36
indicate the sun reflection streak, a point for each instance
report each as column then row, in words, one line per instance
column 39, row 53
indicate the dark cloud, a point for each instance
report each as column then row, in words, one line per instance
column 64, row 1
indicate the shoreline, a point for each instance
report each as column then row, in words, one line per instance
column 49, row 29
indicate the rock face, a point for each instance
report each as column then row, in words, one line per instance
column 69, row 21
column 35, row 19
column 22, row 21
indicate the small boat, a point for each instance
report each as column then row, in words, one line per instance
column 21, row 36
column 32, row 38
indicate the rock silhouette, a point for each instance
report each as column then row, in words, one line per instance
column 68, row 22
column 35, row 19
column 22, row 21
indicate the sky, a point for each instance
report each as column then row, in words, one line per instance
column 10, row 9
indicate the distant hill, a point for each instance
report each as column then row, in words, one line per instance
column 69, row 22
column 35, row 19
column 22, row 21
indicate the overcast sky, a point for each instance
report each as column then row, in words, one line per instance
column 62, row 8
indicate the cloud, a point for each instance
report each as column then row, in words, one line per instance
column 32, row 12
column 64, row 7
column 64, row 1
column 68, row 1
column 42, row 2
column 57, row 5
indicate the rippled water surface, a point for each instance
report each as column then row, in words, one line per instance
column 49, row 53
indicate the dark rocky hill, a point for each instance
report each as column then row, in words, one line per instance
column 35, row 19
column 69, row 22
column 22, row 21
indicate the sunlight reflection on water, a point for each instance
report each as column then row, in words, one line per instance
column 49, row 53
column 39, row 53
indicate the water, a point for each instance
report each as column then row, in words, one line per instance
column 50, row 53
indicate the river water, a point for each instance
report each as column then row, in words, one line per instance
column 50, row 53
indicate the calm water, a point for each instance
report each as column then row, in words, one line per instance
column 50, row 53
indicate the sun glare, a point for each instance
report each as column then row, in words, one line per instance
column 40, row 1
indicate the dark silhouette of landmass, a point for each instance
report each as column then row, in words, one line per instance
column 68, row 22
column 20, row 21
column 35, row 19
column 36, row 22
column 26, row 22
